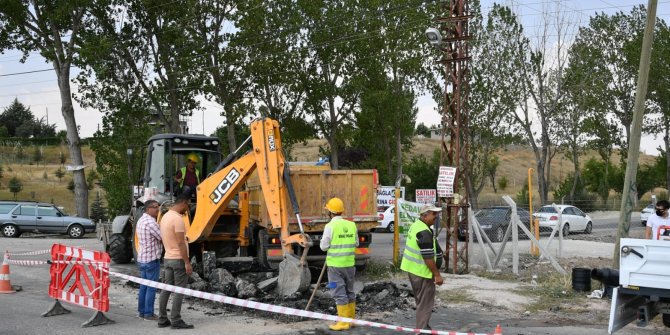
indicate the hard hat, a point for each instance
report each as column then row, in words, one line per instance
column 335, row 205
column 193, row 157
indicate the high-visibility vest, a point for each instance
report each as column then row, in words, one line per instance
column 183, row 176
column 412, row 261
column 342, row 251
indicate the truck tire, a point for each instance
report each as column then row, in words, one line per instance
column 120, row 249
column 666, row 320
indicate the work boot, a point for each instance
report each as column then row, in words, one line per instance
column 342, row 311
column 351, row 312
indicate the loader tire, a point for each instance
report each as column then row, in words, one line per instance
column 666, row 320
column 120, row 249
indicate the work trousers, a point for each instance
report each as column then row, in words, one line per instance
column 424, row 295
column 341, row 283
column 174, row 274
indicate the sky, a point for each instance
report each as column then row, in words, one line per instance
column 39, row 90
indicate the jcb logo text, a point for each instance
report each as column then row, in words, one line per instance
column 224, row 186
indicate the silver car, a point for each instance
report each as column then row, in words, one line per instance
column 17, row 217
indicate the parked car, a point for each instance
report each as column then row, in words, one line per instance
column 386, row 219
column 645, row 213
column 494, row 221
column 573, row 218
column 17, row 217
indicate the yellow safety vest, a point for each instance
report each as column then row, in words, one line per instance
column 342, row 251
column 412, row 261
column 183, row 176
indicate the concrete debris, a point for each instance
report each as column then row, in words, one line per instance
column 268, row 284
column 245, row 289
column 198, row 283
column 223, row 281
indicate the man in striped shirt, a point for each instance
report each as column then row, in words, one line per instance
column 148, row 257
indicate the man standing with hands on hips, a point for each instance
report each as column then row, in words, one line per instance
column 176, row 263
column 418, row 261
column 340, row 239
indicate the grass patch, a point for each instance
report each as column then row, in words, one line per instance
column 458, row 296
column 380, row 270
column 552, row 291
column 493, row 275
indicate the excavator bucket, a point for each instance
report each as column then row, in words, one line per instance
column 294, row 276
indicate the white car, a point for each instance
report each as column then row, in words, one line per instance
column 645, row 213
column 386, row 219
column 573, row 218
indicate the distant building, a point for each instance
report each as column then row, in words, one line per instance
column 435, row 133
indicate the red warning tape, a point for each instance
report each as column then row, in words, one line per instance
column 281, row 310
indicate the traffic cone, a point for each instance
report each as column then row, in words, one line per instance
column 498, row 330
column 5, row 285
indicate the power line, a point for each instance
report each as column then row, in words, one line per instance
column 26, row 72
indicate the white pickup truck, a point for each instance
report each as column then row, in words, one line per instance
column 644, row 283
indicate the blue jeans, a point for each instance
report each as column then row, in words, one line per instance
column 147, row 296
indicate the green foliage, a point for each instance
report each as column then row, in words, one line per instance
column 70, row 185
column 2, row 171
column 37, row 155
column 583, row 199
column 15, row 186
column 61, row 158
column 503, row 182
column 91, row 177
column 20, row 153
column 422, row 129
column 521, row 197
column 98, row 210
column 422, row 171
column 59, row 174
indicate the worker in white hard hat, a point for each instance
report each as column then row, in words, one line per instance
column 340, row 239
column 188, row 177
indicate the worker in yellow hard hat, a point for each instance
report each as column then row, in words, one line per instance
column 188, row 177
column 340, row 239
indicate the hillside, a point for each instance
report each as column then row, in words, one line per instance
column 514, row 164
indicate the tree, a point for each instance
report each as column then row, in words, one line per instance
column 61, row 158
column 37, row 154
column 15, row 186
column 52, row 29
column 70, row 185
column 17, row 117
column 2, row 171
column 422, row 129
column 423, row 172
column 59, row 174
column 98, row 210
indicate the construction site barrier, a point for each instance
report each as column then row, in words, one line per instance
column 286, row 310
column 64, row 258
column 80, row 277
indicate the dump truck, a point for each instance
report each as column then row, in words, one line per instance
column 641, row 286
column 251, row 205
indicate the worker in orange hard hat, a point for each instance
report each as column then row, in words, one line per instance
column 340, row 239
column 188, row 177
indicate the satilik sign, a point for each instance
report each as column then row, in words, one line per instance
column 425, row 195
column 386, row 196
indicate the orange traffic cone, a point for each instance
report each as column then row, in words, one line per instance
column 5, row 285
column 498, row 330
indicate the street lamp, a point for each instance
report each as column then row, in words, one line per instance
column 434, row 37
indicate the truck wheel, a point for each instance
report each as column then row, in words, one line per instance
column 120, row 249
column 666, row 320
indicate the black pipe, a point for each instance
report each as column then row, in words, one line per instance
column 606, row 276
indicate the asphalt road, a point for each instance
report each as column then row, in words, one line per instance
column 20, row 312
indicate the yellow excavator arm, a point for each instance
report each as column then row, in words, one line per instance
column 216, row 191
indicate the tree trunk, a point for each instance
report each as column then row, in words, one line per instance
column 230, row 129
column 79, row 177
column 575, row 181
column 398, row 153
column 332, row 139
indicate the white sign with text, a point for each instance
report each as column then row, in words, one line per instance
column 445, row 181
column 386, row 196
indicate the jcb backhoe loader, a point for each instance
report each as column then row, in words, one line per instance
column 254, row 221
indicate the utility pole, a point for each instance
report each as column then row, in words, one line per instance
column 629, row 189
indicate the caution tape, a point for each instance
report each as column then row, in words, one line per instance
column 280, row 309
column 26, row 262
column 31, row 253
